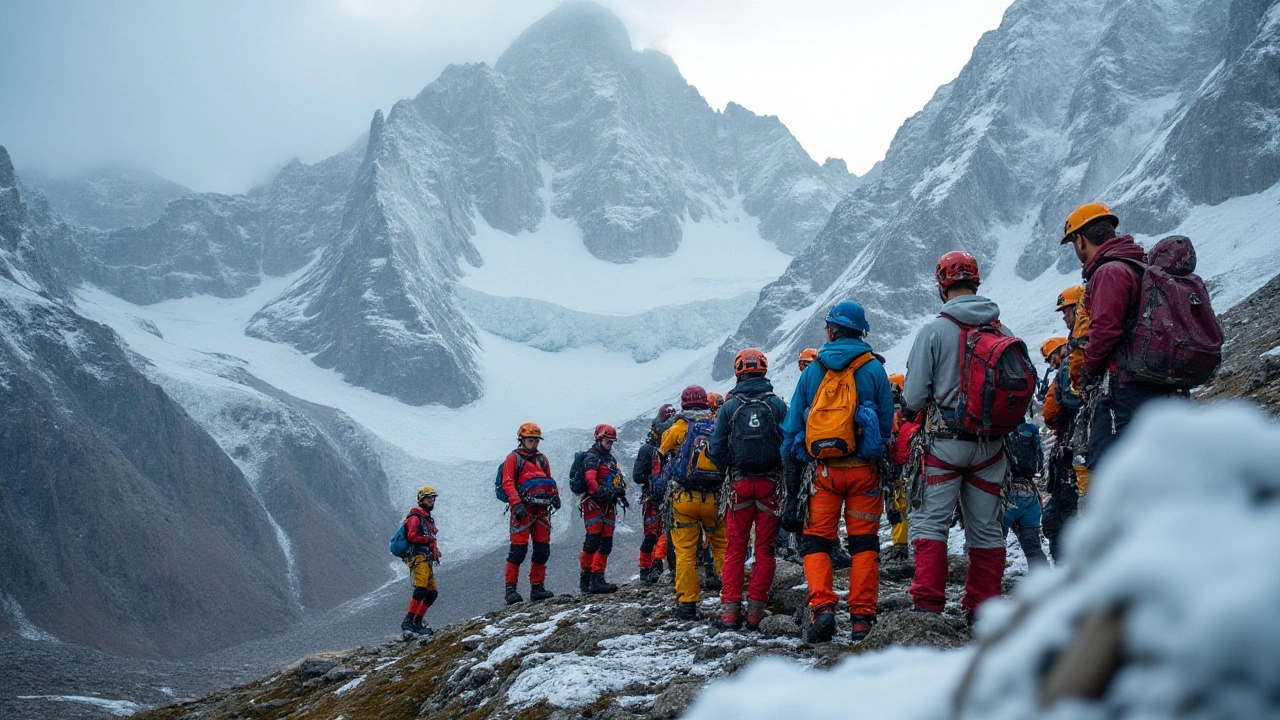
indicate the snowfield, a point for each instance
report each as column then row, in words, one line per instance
column 1174, row 553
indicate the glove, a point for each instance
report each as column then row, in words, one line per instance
column 519, row 512
column 622, row 498
column 791, row 520
column 555, row 501
column 910, row 415
column 791, row 469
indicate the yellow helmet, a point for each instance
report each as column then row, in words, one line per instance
column 1084, row 215
column 426, row 491
column 1070, row 296
column 1050, row 346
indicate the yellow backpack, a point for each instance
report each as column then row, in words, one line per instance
column 830, row 430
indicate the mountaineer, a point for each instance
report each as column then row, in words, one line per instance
column 525, row 483
column 647, row 473
column 843, row 405
column 747, row 442
column 419, row 531
column 967, row 401
column 596, row 477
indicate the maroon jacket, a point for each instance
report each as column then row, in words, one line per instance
column 1111, row 291
column 420, row 529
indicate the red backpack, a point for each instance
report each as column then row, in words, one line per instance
column 1172, row 337
column 997, row 381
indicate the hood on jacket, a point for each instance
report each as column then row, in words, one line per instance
column 837, row 354
column 752, row 386
column 1116, row 248
column 972, row 309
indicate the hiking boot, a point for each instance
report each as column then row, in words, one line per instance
column 685, row 611
column 646, row 576
column 584, row 581
column 730, row 617
column 539, row 592
column 422, row 628
column 513, row 596
column 599, row 586
column 822, row 627
column 656, row 570
column 755, row 613
column 406, row 628
column 896, row 553
column 862, row 625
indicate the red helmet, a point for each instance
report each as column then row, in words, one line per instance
column 956, row 266
column 750, row 360
column 694, row 397
column 606, row 432
column 666, row 412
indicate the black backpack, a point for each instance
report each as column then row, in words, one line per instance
column 755, row 440
column 1024, row 451
column 578, row 473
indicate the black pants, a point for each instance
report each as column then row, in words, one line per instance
column 1116, row 410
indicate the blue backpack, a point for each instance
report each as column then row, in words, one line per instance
column 871, row 442
column 692, row 468
column 501, row 493
column 400, row 545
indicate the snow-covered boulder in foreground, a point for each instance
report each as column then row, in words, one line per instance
column 1166, row 606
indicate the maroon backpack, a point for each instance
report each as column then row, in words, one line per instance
column 1172, row 337
column 997, row 381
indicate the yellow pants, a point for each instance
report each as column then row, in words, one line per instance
column 693, row 513
column 900, row 529
column 1082, row 480
column 423, row 575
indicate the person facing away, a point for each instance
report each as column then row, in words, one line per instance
column 695, row 507
column 420, row 531
column 827, row 398
column 960, row 469
column 747, row 442
column 646, row 471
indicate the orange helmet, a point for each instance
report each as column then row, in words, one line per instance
column 1069, row 297
column 750, row 360
column 1052, row 345
column 529, row 430
column 605, row 432
column 955, row 267
column 715, row 399
column 807, row 356
column 897, row 381
column 1084, row 215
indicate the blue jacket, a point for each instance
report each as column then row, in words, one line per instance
column 871, row 381
column 750, row 387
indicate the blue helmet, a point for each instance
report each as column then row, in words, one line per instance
column 848, row 314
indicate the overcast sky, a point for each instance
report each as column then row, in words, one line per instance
column 218, row 94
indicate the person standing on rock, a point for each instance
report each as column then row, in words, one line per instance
column 531, row 496
column 647, row 473
column 843, row 404
column 747, row 442
column 962, row 466
column 420, row 531
column 695, row 501
column 605, row 489
column 896, row 502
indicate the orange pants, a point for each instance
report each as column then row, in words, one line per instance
column 855, row 491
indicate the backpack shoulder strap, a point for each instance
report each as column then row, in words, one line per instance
column 861, row 360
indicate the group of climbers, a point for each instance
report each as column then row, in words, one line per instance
column 746, row 473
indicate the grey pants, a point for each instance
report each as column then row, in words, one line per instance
column 979, row 507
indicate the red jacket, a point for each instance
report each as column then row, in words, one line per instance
column 420, row 529
column 1111, row 290
column 535, row 466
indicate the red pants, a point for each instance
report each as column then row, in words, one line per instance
column 652, row 533
column 752, row 501
column 598, row 517
column 856, row 491
column 538, row 526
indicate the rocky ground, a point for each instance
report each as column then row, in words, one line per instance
column 615, row 656
column 1251, row 352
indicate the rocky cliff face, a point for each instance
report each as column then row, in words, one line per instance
column 108, row 197
column 126, row 526
column 1030, row 128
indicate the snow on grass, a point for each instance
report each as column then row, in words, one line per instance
column 570, row 680
column 118, row 708
column 350, row 685
column 21, row 623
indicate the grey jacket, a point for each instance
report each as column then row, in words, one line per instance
column 933, row 368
